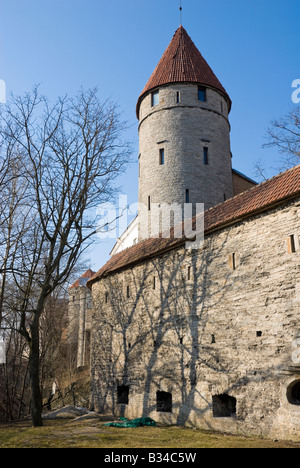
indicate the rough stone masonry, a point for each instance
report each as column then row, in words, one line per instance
column 205, row 337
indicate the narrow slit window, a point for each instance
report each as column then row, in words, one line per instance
column 149, row 203
column 155, row 98
column 189, row 273
column 162, row 156
column 201, row 93
column 128, row 291
column 205, row 155
column 154, row 282
column 232, row 261
column 178, row 97
column 187, row 196
column 292, row 244
column 106, row 297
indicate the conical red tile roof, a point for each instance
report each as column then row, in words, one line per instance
column 182, row 63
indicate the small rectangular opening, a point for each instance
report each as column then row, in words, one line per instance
column 189, row 273
column 187, row 196
column 162, row 156
column 155, row 98
column 232, row 261
column 224, row 406
column 201, row 93
column 164, row 402
column 154, row 282
column 106, row 297
column 123, row 395
column 292, row 244
column 205, row 155
column 149, row 203
column 178, row 97
column 128, row 291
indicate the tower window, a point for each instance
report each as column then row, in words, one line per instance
column 128, row 291
column 162, row 156
column 155, row 98
column 202, row 93
column 178, row 97
column 149, row 203
column 205, row 155
column 187, row 196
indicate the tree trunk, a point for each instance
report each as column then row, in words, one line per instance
column 34, row 366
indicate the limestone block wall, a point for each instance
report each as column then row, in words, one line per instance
column 182, row 126
column 212, row 330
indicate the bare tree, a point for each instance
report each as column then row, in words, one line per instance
column 72, row 153
column 284, row 134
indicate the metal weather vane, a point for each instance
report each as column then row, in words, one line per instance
column 180, row 9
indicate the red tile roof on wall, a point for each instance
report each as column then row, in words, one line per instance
column 258, row 199
column 182, row 63
column 88, row 274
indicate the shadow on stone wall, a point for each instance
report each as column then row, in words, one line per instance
column 154, row 331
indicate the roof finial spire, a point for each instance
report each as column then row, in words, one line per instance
column 180, row 9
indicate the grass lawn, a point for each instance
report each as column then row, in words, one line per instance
column 69, row 434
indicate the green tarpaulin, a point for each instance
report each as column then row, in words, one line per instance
column 140, row 422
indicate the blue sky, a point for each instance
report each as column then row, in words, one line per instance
column 252, row 46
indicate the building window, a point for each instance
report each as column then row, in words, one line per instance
column 155, row 98
column 128, row 291
column 162, row 156
column 187, row 196
column 178, row 97
column 106, row 297
column 189, row 273
column 205, row 155
column 164, row 402
column 149, row 203
column 202, row 93
column 123, row 395
column 224, row 406
column 154, row 282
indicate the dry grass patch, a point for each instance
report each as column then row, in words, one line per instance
column 91, row 434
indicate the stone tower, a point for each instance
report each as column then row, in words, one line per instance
column 184, row 154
